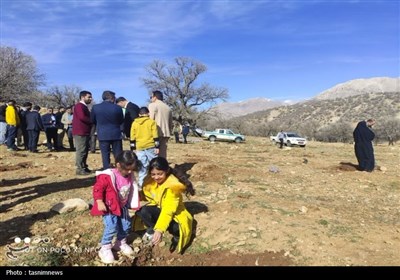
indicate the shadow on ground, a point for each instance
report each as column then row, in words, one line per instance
column 348, row 166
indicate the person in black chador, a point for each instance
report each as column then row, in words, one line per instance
column 363, row 136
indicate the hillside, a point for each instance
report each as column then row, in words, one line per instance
column 236, row 109
column 337, row 109
column 317, row 114
column 342, row 90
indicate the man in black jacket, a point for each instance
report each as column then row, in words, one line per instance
column 33, row 126
column 25, row 109
column 131, row 113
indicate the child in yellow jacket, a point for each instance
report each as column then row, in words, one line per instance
column 144, row 141
column 165, row 210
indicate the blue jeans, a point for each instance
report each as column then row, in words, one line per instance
column 11, row 135
column 144, row 156
column 120, row 225
column 3, row 132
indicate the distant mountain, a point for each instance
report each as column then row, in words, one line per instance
column 361, row 86
column 351, row 88
column 341, row 106
column 311, row 116
column 236, row 109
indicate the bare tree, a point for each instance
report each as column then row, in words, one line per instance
column 309, row 129
column 179, row 84
column 388, row 129
column 39, row 98
column 265, row 129
column 336, row 132
column 237, row 124
column 19, row 75
column 63, row 96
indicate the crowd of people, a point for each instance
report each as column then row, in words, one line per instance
column 107, row 123
column 157, row 192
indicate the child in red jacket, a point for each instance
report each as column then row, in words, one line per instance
column 114, row 192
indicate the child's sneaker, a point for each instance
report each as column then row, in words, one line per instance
column 106, row 254
column 123, row 247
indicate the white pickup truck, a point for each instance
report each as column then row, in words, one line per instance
column 291, row 138
column 221, row 134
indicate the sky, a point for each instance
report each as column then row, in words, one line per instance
column 280, row 50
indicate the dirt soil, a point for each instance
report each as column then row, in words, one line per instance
column 256, row 205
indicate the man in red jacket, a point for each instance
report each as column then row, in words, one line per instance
column 81, row 126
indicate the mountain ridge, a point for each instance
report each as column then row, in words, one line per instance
column 360, row 86
column 332, row 113
column 341, row 90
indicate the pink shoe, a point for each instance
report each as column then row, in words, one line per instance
column 123, row 247
column 106, row 254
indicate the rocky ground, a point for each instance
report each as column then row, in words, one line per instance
column 256, row 205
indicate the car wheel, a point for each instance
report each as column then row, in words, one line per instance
column 212, row 138
column 288, row 144
column 238, row 140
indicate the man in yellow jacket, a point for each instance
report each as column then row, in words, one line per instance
column 165, row 210
column 12, row 120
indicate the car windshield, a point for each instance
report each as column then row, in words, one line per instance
column 292, row 135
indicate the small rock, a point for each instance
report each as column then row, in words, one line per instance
column 136, row 250
column 59, row 230
column 69, row 205
column 303, row 209
column 273, row 169
column 287, row 253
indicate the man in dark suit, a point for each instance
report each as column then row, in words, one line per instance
column 108, row 118
column 50, row 128
column 34, row 125
column 59, row 112
column 131, row 113
column 25, row 109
